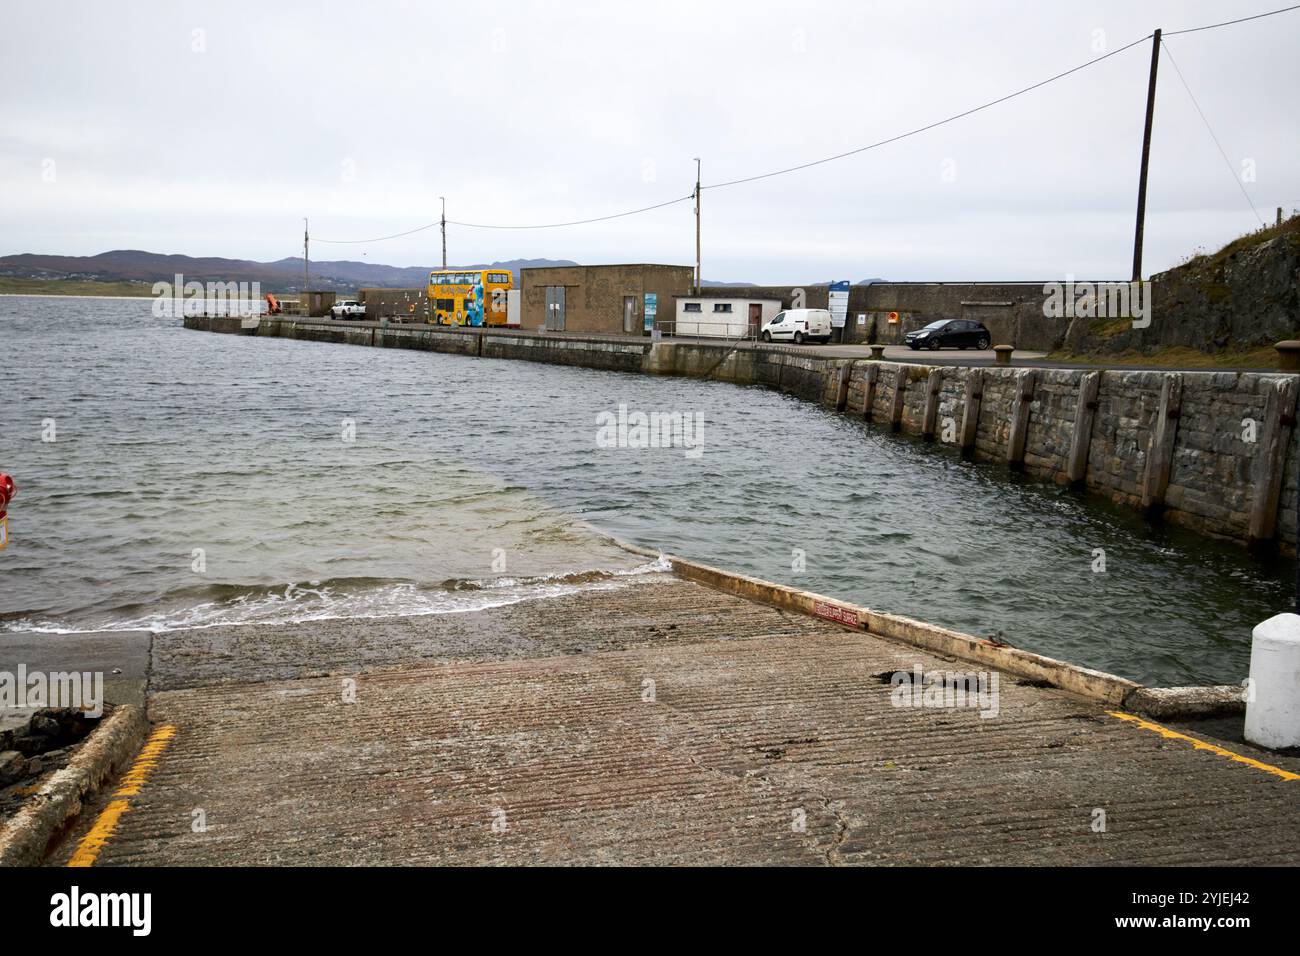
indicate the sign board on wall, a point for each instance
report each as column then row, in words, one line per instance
column 651, row 307
column 839, row 303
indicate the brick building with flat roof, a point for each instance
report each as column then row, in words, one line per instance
column 610, row 299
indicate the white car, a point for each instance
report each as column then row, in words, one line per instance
column 796, row 325
column 347, row 309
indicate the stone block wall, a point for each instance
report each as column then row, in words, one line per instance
column 1214, row 479
column 1051, row 423
column 995, row 418
column 1127, row 403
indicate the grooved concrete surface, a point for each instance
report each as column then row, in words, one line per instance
column 766, row 738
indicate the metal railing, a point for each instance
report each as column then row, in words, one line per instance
column 707, row 329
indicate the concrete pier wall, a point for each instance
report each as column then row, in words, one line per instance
column 1215, row 449
column 1212, row 451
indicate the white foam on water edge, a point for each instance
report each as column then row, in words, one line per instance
column 314, row 601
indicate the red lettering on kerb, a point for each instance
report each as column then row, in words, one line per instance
column 833, row 612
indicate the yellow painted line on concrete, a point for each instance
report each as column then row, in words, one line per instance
column 93, row 843
column 1202, row 745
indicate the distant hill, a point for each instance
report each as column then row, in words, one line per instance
column 283, row 275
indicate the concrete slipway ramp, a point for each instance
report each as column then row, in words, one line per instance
column 684, row 718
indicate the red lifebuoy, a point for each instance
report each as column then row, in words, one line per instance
column 7, row 491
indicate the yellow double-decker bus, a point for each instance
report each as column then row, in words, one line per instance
column 458, row 297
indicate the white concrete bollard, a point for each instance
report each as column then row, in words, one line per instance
column 1273, row 711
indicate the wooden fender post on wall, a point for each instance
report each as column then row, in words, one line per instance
column 1076, row 468
column 933, row 386
column 970, row 419
column 1160, row 452
column 869, row 390
column 1269, row 463
column 1021, row 397
column 842, row 393
column 900, row 394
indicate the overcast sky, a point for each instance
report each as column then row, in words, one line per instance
column 213, row 128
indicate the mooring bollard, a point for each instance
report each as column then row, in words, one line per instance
column 1273, row 700
column 1002, row 354
column 877, row 352
column 1288, row 355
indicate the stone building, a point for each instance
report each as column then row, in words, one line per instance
column 623, row 299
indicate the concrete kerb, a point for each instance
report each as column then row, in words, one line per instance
column 1187, row 703
column 25, row 838
column 1108, row 689
column 1094, row 685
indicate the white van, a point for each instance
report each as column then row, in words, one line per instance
column 796, row 325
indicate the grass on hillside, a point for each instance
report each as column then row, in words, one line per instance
column 1287, row 227
column 11, row 286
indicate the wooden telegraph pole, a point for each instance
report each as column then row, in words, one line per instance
column 1146, row 156
column 305, row 240
column 698, row 276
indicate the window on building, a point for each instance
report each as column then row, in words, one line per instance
column 722, row 307
column 692, row 307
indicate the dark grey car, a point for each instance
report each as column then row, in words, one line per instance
column 950, row 333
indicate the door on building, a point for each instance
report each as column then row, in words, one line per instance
column 629, row 314
column 555, row 308
column 755, row 317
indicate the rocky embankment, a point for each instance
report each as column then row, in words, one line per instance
column 1244, row 297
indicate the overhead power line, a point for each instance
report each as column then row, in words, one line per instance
column 547, row 225
column 984, row 106
column 937, row 123
column 577, row 222
column 1228, row 23
column 1231, row 169
column 779, row 172
column 837, row 156
column 396, row 235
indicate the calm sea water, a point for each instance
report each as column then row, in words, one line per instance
column 206, row 480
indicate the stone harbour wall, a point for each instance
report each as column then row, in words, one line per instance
column 1213, row 451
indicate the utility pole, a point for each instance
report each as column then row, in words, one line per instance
column 305, row 240
column 444, row 231
column 1146, row 155
column 698, row 275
